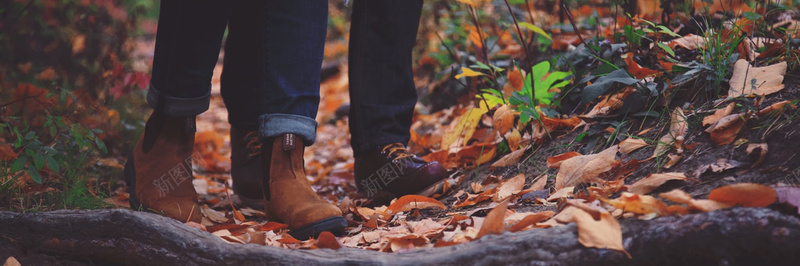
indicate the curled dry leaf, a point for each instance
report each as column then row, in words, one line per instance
column 509, row 159
column 555, row 161
column 565, row 192
column 630, row 144
column 690, row 42
column 503, row 119
column 603, row 233
column 583, row 168
column 726, row 129
column 514, row 138
column 718, row 114
column 531, row 219
column 776, row 108
column 640, row 204
column 673, row 159
column 653, row 181
column 762, row 147
column 493, row 224
column 327, row 240
column 744, row 194
column 749, row 80
column 409, row 202
column 510, row 187
column 677, row 132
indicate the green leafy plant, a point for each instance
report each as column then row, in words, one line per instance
column 538, row 89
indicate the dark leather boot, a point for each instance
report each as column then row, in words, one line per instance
column 392, row 171
column 246, row 167
column 288, row 194
column 159, row 173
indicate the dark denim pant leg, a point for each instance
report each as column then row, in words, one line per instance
column 382, row 91
column 271, row 75
column 187, row 47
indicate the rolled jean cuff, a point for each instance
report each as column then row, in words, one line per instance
column 273, row 125
column 174, row 106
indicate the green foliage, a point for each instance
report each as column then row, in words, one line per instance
column 537, row 90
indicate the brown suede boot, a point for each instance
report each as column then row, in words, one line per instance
column 288, row 194
column 159, row 173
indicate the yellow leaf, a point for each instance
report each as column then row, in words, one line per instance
column 466, row 72
column 535, row 29
column 466, row 124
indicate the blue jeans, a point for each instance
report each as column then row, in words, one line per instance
column 382, row 91
column 273, row 57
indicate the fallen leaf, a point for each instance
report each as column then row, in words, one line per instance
column 583, row 168
column 726, row 129
column 630, row 144
column 637, row 70
column 11, row 261
column 707, row 205
column 405, row 243
column 603, row 233
column 514, row 77
column 640, row 204
column 508, row 159
column 503, row 119
column 744, row 194
column 562, row 193
column 510, row 187
column 677, row 131
column 653, row 181
column 718, row 114
column 762, row 147
column 719, row 166
column 273, row 226
column 493, row 224
column 677, row 196
column 690, row 42
column 776, row 108
column 465, row 126
column 531, row 219
column 555, row 161
column 748, row 80
column 673, row 159
column 540, row 183
column 409, row 202
column 327, row 240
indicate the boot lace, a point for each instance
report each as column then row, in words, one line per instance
column 253, row 146
column 396, row 151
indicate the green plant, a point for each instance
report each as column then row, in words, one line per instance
column 538, row 90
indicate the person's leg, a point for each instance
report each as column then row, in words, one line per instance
column 278, row 96
column 159, row 172
column 383, row 95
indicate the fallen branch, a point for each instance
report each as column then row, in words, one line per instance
column 744, row 236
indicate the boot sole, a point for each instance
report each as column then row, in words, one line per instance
column 335, row 225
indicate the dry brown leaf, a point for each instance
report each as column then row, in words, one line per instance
column 603, row 233
column 762, row 147
column 630, row 144
column 640, row 204
column 405, row 243
column 493, row 224
column 555, row 161
column 426, row 227
column 273, row 226
column 503, row 119
column 677, row 131
column 509, row 159
column 409, row 202
column 677, row 196
column 637, row 70
column 707, row 205
column 776, row 108
column 583, row 168
column 531, row 219
column 718, row 114
column 726, row 129
column 690, row 42
column 768, row 79
column 540, row 183
column 327, row 240
column 673, row 159
column 653, row 181
column 515, row 78
column 561, row 193
column 744, row 194
column 11, row 261
column 510, row 187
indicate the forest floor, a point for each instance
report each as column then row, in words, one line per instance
column 596, row 130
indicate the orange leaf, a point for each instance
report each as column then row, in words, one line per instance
column 602, row 233
column 531, row 220
column 273, row 226
column 744, row 194
column 637, row 70
column 409, row 202
column 641, row 204
column 509, row 159
column 515, row 78
column 583, row 168
column 327, row 240
column 503, row 119
column 555, row 161
column 726, row 129
column 510, row 187
column 653, row 181
column 493, row 224
column 776, row 107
